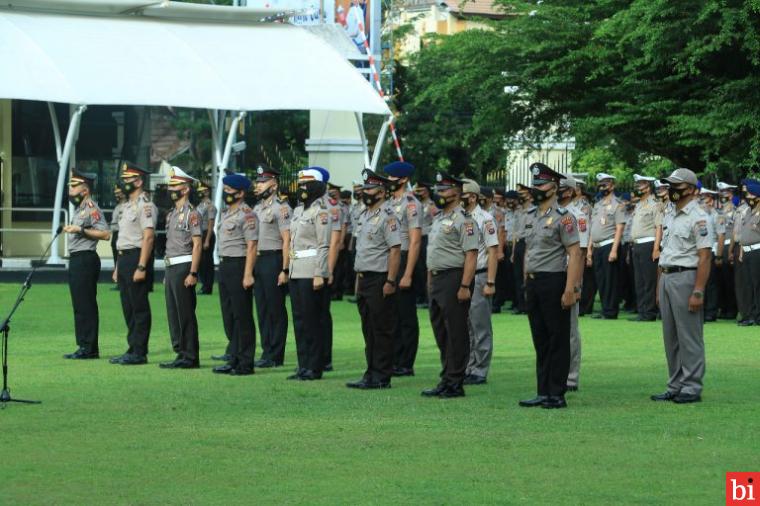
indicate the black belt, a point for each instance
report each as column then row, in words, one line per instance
column 445, row 271
column 231, row 259
column 129, row 251
column 370, row 274
column 83, row 252
column 269, row 252
column 543, row 275
column 671, row 270
column 481, row 271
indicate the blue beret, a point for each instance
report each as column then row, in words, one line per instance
column 237, row 181
column 399, row 169
column 324, row 172
column 753, row 186
column 735, row 201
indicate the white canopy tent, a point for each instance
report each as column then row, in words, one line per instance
column 169, row 54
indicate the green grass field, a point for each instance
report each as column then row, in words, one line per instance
column 109, row 434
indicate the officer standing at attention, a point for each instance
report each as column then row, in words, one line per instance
column 749, row 256
column 607, row 225
column 518, row 247
column 238, row 238
column 357, row 207
column 553, row 273
column 715, row 221
column 511, row 202
column 378, row 255
column 726, row 293
column 684, row 269
column 272, row 268
column 207, row 210
column 568, row 198
column 422, row 192
column 409, row 212
column 646, row 248
column 481, row 330
column 742, row 283
column 452, row 259
column 182, row 259
column 137, row 225
column 120, row 199
column 311, row 231
column 88, row 226
column 336, row 285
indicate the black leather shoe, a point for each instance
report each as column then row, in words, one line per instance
column 600, row 316
column 452, row 391
column 363, row 384
column 554, row 402
column 264, row 363
column 665, row 396
column 682, row 398
column 435, row 391
column 474, row 379
column 130, row 359
column 241, row 372
column 223, row 369
column 180, row 364
column 641, row 319
column 402, row 371
column 80, row 354
column 222, row 358
column 328, row 368
column 572, row 388
column 309, row 375
column 746, row 323
column 534, row 402
column 116, row 360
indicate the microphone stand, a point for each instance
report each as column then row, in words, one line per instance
column 5, row 393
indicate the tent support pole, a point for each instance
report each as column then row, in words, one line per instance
column 363, row 136
column 56, row 131
column 380, row 142
column 63, row 162
column 231, row 135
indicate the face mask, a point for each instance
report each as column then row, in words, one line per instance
column 482, row 203
column 310, row 191
column 266, row 193
column 565, row 198
column 357, row 195
column 370, row 200
column 76, row 200
column 724, row 200
column 439, row 200
column 128, row 188
column 639, row 193
column 230, row 198
column 603, row 189
column 540, row 195
column 175, row 195
column 676, row 194
column 630, row 207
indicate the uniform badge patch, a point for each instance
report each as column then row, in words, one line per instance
column 702, row 228
column 323, row 218
column 567, row 221
column 284, row 213
column 95, row 214
column 582, row 224
column 469, row 229
column 194, row 219
column 148, row 210
column 411, row 210
column 335, row 213
column 490, row 228
column 392, row 224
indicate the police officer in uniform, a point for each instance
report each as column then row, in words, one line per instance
column 207, row 211
column 481, row 330
column 88, row 226
column 518, row 247
column 120, row 199
column 749, row 256
column 684, row 269
column 428, row 210
column 553, row 272
column 378, row 255
column 137, row 225
column 336, row 286
column 272, row 268
column 409, row 212
column 724, row 268
column 607, row 226
column 646, row 249
column 742, row 284
column 511, row 201
column 182, row 259
column 356, row 209
column 311, row 232
column 238, row 238
column 452, row 259
column 707, row 199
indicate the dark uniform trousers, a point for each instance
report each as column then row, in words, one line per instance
column 419, row 281
column 326, row 322
column 180, row 312
column 607, row 274
column 743, row 285
column 710, row 306
column 134, row 303
column 340, row 274
column 519, row 302
column 627, row 277
column 645, row 270
column 550, row 327
column 449, row 319
column 237, row 313
column 206, row 268
column 270, row 306
column 349, row 277
column 407, row 325
column 503, row 281
column 377, row 313
column 84, row 270
column 309, row 306
column 114, row 250
column 588, row 292
column 726, row 289
column 752, row 267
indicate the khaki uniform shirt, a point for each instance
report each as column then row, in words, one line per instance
column 683, row 233
column 428, row 214
column 521, row 216
column 547, row 235
column 115, row 216
column 207, row 210
column 87, row 215
column 137, row 215
column 451, row 235
column 409, row 213
column 487, row 235
column 510, row 221
column 739, row 215
column 646, row 218
column 581, row 210
column 310, row 231
column 379, row 233
column 605, row 217
column 336, row 214
column 181, row 226
column 750, row 231
column 236, row 228
column 274, row 217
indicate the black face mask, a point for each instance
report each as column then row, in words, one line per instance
column 370, row 200
column 76, row 200
column 393, row 186
column 539, row 195
column 175, row 195
column 310, row 191
column 128, row 188
column 265, row 194
column 604, row 189
column 441, row 201
column 357, row 195
column 638, row 193
column 230, row 198
column 565, row 197
column 676, row 194
column 630, row 207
